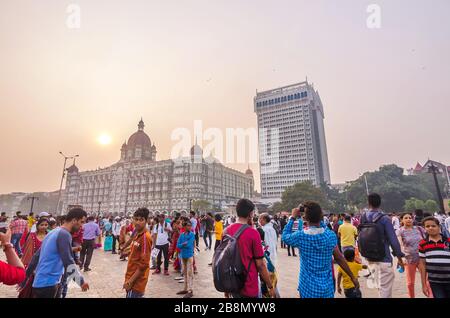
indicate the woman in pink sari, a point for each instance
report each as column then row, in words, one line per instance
column 34, row 240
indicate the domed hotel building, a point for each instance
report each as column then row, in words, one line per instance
column 139, row 180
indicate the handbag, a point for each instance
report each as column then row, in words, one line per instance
column 155, row 252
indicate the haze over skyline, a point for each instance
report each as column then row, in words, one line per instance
column 385, row 91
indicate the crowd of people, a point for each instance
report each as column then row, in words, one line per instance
column 45, row 253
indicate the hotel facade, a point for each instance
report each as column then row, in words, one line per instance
column 139, row 180
column 292, row 144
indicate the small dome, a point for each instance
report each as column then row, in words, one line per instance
column 140, row 137
column 154, row 147
column 196, row 150
column 72, row 169
column 248, row 171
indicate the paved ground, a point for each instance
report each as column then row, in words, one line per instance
column 106, row 279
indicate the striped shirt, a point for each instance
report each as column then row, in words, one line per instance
column 437, row 258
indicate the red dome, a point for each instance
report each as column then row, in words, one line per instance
column 139, row 138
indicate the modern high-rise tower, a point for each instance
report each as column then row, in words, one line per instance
column 292, row 145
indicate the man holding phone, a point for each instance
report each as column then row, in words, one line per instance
column 318, row 246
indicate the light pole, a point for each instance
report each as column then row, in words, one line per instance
column 367, row 186
column 32, row 198
column 434, row 170
column 448, row 181
column 99, row 205
column 62, row 178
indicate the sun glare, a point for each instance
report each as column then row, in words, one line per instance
column 104, row 139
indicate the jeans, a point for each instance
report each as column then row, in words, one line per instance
column 352, row 293
column 163, row 249
column 15, row 241
column 440, row 290
column 134, row 294
column 197, row 239
column 76, row 255
column 207, row 234
column 45, row 292
column 87, row 249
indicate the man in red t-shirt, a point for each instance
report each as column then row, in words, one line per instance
column 13, row 272
column 251, row 251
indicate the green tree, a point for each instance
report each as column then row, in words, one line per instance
column 201, row 205
column 431, row 206
column 337, row 200
column 393, row 186
column 413, row 204
column 277, row 207
column 300, row 192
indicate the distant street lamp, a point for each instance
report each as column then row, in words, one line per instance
column 434, row 170
column 367, row 186
column 62, row 178
column 99, row 205
column 32, row 198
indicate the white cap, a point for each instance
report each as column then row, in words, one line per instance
column 43, row 214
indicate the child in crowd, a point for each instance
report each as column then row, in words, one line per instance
column 186, row 244
column 349, row 288
column 138, row 268
column 434, row 253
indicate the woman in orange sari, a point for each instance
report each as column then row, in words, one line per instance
column 34, row 240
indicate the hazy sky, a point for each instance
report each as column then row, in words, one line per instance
column 385, row 91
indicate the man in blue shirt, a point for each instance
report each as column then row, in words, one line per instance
column 383, row 271
column 56, row 256
column 91, row 231
column 317, row 245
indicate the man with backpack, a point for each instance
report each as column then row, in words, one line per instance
column 376, row 237
column 161, row 232
column 240, row 257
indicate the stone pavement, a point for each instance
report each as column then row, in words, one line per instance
column 106, row 279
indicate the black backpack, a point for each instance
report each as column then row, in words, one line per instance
column 371, row 239
column 228, row 271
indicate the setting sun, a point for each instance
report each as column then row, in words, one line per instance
column 104, row 139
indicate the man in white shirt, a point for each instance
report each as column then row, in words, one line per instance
column 115, row 233
column 160, row 239
column 194, row 222
column 270, row 236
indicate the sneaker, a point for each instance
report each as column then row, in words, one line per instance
column 183, row 292
column 158, row 271
column 210, row 264
column 87, row 269
column 179, row 278
column 166, row 272
column 189, row 295
column 181, row 281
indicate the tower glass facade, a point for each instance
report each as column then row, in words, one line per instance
column 292, row 145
